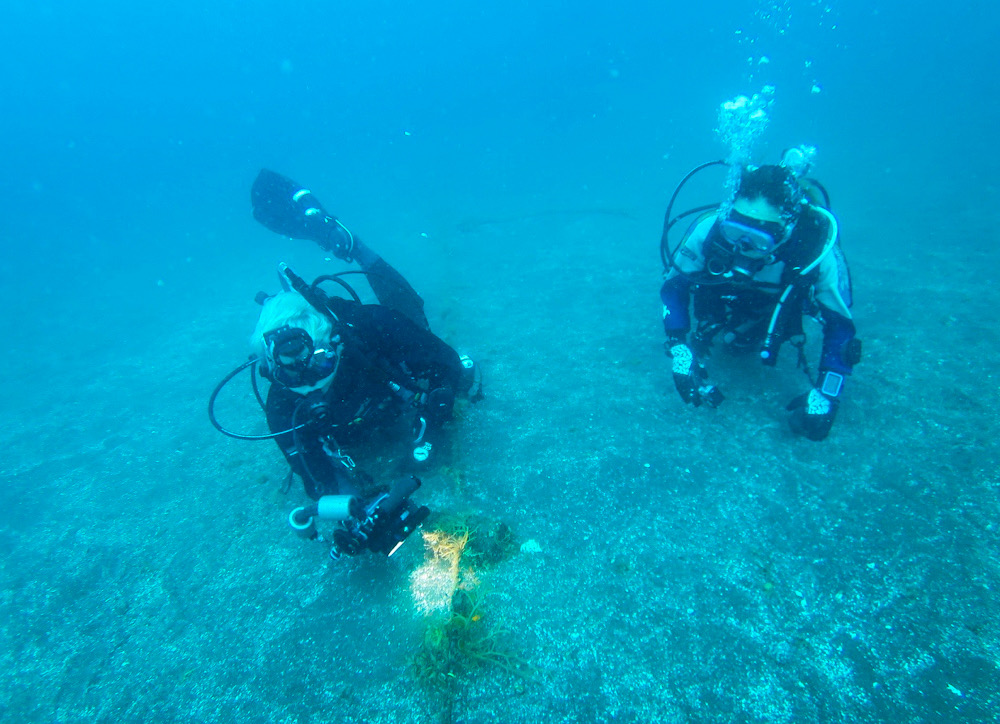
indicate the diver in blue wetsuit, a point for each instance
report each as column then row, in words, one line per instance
column 749, row 271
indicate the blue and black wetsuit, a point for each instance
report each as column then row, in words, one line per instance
column 743, row 305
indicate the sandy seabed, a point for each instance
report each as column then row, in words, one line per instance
column 695, row 565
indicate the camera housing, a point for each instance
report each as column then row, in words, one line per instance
column 384, row 523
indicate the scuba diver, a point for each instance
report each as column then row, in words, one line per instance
column 751, row 269
column 346, row 377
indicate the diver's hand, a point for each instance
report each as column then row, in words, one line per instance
column 689, row 377
column 812, row 415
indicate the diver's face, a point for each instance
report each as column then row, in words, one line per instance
column 295, row 363
column 753, row 228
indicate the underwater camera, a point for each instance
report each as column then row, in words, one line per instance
column 380, row 525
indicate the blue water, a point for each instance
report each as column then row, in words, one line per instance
column 513, row 160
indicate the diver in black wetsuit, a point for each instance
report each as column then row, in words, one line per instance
column 343, row 374
column 342, row 371
column 751, row 271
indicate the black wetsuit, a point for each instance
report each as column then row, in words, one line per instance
column 394, row 374
column 387, row 362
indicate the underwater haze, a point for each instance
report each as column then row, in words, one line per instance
column 513, row 160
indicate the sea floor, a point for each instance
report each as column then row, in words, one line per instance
column 692, row 565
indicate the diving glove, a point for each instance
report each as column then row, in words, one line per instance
column 813, row 414
column 689, row 377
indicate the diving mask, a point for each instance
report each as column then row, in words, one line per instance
column 752, row 238
column 293, row 360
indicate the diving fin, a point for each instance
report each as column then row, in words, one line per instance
column 287, row 208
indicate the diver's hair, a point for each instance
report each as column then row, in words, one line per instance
column 292, row 310
column 775, row 184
